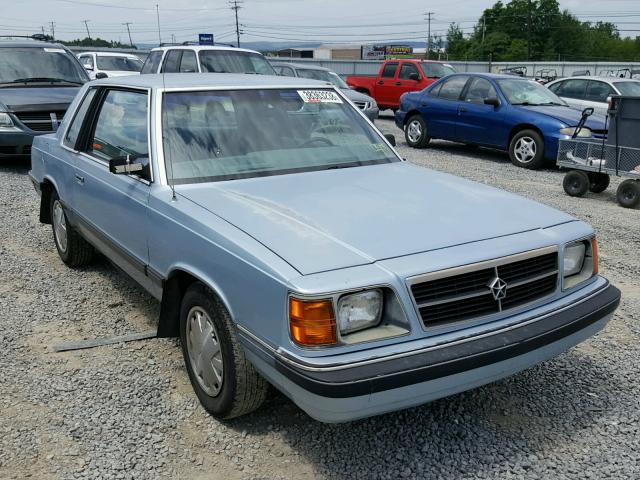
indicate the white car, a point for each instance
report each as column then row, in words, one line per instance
column 106, row 64
column 206, row 59
column 584, row 91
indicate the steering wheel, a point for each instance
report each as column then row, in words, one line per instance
column 311, row 141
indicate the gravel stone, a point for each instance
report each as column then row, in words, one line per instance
column 128, row 410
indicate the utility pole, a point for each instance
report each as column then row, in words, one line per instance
column 235, row 6
column 158, row 17
column 129, row 32
column 53, row 30
column 86, row 24
column 484, row 29
column 42, row 28
column 528, row 30
column 427, row 53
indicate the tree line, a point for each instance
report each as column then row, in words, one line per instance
column 538, row 30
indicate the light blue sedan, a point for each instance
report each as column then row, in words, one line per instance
column 289, row 244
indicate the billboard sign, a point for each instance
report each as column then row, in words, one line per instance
column 382, row 52
column 205, row 39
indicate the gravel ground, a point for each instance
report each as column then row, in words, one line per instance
column 128, row 411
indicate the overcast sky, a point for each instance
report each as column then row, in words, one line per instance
column 328, row 21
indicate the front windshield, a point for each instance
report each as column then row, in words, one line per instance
column 322, row 75
column 30, row 64
column 528, row 92
column 629, row 89
column 123, row 64
column 436, row 70
column 231, row 61
column 224, row 135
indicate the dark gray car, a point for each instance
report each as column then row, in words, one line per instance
column 363, row 102
column 38, row 81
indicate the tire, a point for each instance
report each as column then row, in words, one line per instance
column 234, row 387
column 74, row 250
column 576, row 183
column 415, row 132
column 628, row 194
column 598, row 182
column 526, row 150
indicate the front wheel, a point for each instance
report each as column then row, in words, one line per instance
column 628, row 193
column 576, row 183
column 226, row 384
column 74, row 250
column 415, row 132
column 526, row 149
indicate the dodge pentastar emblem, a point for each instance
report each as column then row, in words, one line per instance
column 498, row 288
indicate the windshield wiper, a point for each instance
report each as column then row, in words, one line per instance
column 44, row 79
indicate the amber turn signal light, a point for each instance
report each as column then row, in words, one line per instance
column 312, row 322
column 594, row 254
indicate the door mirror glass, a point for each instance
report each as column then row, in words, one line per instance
column 492, row 101
column 414, row 76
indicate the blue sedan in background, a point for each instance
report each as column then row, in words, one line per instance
column 496, row 111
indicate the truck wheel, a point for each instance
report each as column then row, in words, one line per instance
column 415, row 132
column 527, row 150
column 74, row 250
column 628, row 193
column 576, row 183
column 598, row 182
column 226, row 384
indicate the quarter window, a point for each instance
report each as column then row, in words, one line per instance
column 152, row 63
column 188, row 64
column 71, row 138
column 598, row 91
column 389, row 70
column 452, row 88
column 171, row 61
column 121, row 127
column 406, row 70
column 479, row 90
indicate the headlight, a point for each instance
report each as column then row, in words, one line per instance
column 5, row 121
column 373, row 104
column 583, row 133
column 580, row 262
column 358, row 311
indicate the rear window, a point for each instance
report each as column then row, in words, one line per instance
column 230, row 61
column 123, row 64
column 630, row 89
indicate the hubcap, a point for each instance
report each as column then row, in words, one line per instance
column 525, row 149
column 205, row 355
column 60, row 226
column 414, row 131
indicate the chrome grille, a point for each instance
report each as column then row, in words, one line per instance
column 466, row 292
column 40, row 121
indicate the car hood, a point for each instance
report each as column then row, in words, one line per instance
column 356, row 96
column 320, row 221
column 33, row 97
column 567, row 115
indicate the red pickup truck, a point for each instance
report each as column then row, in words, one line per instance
column 397, row 77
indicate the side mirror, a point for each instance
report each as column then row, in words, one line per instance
column 391, row 138
column 100, row 75
column 414, row 76
column 493, row 101
column 125, row 165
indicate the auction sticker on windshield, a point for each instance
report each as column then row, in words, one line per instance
column 319, row 96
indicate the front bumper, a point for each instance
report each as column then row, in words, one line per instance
column 14, row 143
column 337, row 394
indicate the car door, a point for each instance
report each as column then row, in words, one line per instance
column 573, row 92
column 171, row 63
column 477, row 122
column 385, row 84
column 112, row 209
column 439, row 107
column 409, row 79
column 597, row 94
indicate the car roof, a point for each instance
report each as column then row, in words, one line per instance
column 209, row 80
column 494, row 76
column 600, row 78
column 109, row 54
column 304, row 66
column 26, row 43
column 198, row 48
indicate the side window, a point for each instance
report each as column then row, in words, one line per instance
column 598, row 91
column 87, row 61
column 389, row 70
column 573, row 89
column 121, row 127
column 479, row 90
column 287, row 72
column 71, row 137
column 555, row 88
column 406, row 70
column 452, row 88
column 435, row 91
column 152, row 62
column 171, row 61
column 188, row 64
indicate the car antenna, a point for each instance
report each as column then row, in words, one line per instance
column 172, row 183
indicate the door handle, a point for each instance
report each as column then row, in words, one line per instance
column 398, row 84
column 79, row 179
column 381, row 82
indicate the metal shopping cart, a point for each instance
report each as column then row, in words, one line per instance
column 592, row 161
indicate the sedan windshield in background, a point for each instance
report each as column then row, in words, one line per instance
column 36, row 64
column 230, row 61
column 123, row 64
column 225, row 135
column 322, row 75
column 629, row 89
column 528, row 93
column 436, row 70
